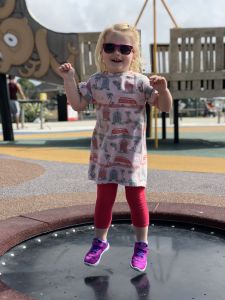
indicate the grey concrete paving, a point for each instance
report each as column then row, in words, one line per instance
column 72, row 178
column 65, row 184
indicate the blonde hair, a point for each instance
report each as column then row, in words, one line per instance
column 125, row 28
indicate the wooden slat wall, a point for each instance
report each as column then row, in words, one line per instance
column 87, row 44
column 197, row 62
column 193, row 62
column 162, row 58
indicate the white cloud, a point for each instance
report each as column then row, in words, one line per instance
column 76, row 16
column 89, row 15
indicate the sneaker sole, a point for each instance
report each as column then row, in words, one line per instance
column 137, row 269
column 98, row 261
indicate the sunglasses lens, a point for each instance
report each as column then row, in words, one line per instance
column 125, row 49
column 109, row 48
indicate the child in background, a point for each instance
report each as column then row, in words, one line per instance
column 118, row 145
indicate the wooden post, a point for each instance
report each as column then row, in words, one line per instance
column 176, row 120
column 163, row 125
column 148, row 125
column 7, row 128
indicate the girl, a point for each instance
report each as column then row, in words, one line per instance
column 118, row 146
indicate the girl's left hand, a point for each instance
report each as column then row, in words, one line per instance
column 159, row 83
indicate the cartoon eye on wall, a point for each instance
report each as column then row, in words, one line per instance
column 10, row 39
column 16, row 43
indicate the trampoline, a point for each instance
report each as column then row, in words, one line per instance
column 185, row 263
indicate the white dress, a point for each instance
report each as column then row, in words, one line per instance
column 118, row 145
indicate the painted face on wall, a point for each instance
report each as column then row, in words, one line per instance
column 26, row 46
column 16, row 43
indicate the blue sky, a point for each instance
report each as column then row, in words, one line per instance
column 89, row 15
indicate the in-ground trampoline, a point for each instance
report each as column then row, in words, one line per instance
column 185, row 262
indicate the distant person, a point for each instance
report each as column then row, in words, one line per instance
column 118, row 147
column 210, row 109
column 182, row 106
column 15, row 89
column 223, row 110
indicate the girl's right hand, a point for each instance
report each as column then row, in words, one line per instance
column 66, row 71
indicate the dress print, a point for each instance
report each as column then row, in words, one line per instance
column 118, row 145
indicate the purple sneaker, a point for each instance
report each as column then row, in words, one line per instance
column 93, row 257
column 139, row 258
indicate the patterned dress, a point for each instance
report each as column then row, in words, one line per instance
column 118, row 145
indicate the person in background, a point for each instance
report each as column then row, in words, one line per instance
column 15, row 89
column 118, row 146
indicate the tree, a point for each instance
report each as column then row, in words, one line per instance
column 27, row 86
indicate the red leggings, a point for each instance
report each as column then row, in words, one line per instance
column 106, row 196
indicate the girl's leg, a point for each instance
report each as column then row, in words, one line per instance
column 136, row 199
column 106, row 195
column 141, row 234
column 17, row 120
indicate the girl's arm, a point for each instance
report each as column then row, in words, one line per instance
column 75, row 99
column 164, row 100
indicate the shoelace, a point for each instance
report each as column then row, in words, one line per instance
column 94, row 248
column 140, row 252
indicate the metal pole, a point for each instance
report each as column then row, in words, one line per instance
column 22, row 114
column 156, row 144
column 155, row 38
column 7, row 128
column 41, row 114
column 141, row 12
column 170, row 14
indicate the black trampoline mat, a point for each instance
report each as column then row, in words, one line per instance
column 185, row 263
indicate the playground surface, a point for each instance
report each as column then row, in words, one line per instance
column 47, row 168
column 44, row 185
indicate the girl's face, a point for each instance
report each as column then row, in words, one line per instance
column 117, row 62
